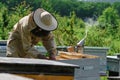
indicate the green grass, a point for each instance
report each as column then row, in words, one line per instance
column 103, row 78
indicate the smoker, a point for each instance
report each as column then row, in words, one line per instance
column 80, row 44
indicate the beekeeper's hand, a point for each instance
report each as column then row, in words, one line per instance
column 40, row 56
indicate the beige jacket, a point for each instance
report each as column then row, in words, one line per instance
column 20, row 41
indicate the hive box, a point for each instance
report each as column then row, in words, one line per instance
column 37, row 69
column 3, row 48
column 102, row 53
column 113, row 64
column 89, row 65
column 97, row 51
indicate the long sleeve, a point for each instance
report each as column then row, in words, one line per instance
column 25, row 34
column 49, row 43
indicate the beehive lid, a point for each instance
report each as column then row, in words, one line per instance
column 9, row 60
column 35, row 66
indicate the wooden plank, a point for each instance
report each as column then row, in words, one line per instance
column 48, row 77
column 6, row 76
column 73, row 55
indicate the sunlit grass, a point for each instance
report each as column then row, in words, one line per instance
column 103, row 78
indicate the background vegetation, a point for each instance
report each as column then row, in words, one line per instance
column 100, row 20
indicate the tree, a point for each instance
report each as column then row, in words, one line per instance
column 18, row 12
column 109, row 20
column 3, row 21
column 116, row 6
column 63, row 7
column 47, row 5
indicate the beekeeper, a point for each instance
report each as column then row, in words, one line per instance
column 28, row 31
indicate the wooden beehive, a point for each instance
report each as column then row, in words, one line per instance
column 89, row 64
column 37, row 69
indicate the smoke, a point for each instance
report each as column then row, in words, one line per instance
column 90, row 22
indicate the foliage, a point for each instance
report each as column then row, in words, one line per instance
column 114, row 47
column 109, row 17
column 63, row 7
column 116, row 6
column 70, row 30
column 47, row 5
column 3, row 21
column 8, row 19
column 109, row 22
column 82, row 9
column 71, row 16
column 18, row 12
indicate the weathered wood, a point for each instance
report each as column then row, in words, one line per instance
column 48, row 77
column 73, row 55
column 6, row 76
column 37, row 67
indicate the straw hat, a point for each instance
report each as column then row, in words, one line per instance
column 44, row 20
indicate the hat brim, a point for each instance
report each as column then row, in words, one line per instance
column 38, row 22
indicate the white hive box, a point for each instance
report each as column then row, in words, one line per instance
column 89, row 65
column 3, row 48
column 102, row 53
